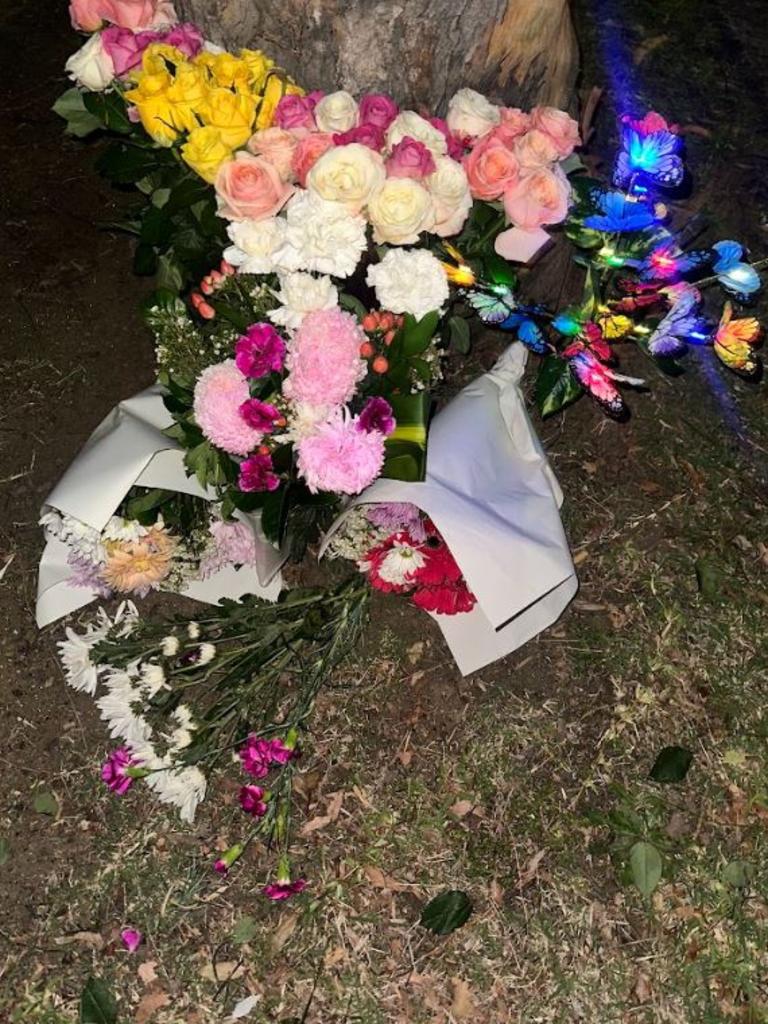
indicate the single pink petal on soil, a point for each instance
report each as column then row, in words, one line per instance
column 131, row 939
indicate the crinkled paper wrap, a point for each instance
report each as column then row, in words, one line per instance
column 128, row 448
column 492, row 495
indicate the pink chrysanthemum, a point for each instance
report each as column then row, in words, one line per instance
column 219, row 393
column 340, row 457
column 233, row 544
column 324, row 358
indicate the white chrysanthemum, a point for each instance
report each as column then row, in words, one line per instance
column 126, row 619
column 51, row 521
column 182, row 787
column 183, row 716
column 124, row 529
column 84, row 540
column 409, row 281
column 118, row 707
column 75, row 657
column 193, row 630
column 303, row 420
column 152, row 679
column 300, row 294
column 322, row 236
column 206, row 654
column 399, row 564
column 255, row 243
column 169, row 646
column 409, row 124
column 355, row 537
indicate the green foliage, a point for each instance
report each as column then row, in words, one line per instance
column 46, row 803
column 556, row 386
column 97, row 1004
column 645, row 866
column 80, row 121
column 671, row 764
column 447, row 912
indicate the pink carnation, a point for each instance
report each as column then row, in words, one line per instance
column 260, row 351
column 340, row 457
column 324, row 359
column 219, row 393
column 257, row 474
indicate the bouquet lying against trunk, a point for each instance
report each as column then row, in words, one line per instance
column 360, row 242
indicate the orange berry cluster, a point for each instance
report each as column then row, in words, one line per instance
column 381, row 327
column 210, row 283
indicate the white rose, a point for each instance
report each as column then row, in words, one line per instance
column 91, row 66
column 412, row 125
column 255, row 243
column 470, row 113
column 451, row 197
column 409, row 281
column 322, row 236
column 336, row 112
column 399, row 210
column 348, row 175
column 301, row 294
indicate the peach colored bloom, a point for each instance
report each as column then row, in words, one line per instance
column 277, row 146
column 539, row 197
column 139, row 566
column 491, row 168
column 535, row 149
column 559, row 126
column 308, row 152
column 514, row 121
column 250, row 188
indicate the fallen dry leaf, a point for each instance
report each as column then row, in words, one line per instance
column 93, row 939
column 226, row 970
column 642, row 988
column 285, row 929
column 149, row 1004
column 314, row 825
column 463, row 1005
column 531, row 870
column 335, row 956
column 461, row 808
column 379, row 880
column 496, row 892
column 405, row 757
column 146, row 972
column 334, row 805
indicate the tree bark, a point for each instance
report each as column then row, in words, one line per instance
column 519, row 52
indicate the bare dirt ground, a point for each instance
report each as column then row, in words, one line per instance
column 524, row 785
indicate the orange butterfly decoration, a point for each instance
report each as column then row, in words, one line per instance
column 734, row 341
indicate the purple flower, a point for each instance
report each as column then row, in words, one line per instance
column 257, row 474
column 283, row 890
column 259, row 415
column 252, row 801
column 255, row 756
column 369, row 135
column 280, row 753
column 260, row 351
column 398, row 515
column 377, row 415
column 114, row 770
column 131, row 939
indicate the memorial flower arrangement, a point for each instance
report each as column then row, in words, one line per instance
column 353, row 243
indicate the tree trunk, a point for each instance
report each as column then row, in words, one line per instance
column 520, row 52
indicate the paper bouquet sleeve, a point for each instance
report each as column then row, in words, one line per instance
column 129, row 448
column 493, row 496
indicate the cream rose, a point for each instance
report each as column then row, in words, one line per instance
column 336, row 112
column 471, row 114
column 347, row 174
column 399, row 211
column 409, row 124
column 451, row 197
column 91, row 66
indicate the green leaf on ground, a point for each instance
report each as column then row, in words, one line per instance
column 97, row 1004
column 447, row 912
column 671, row 764
column 709, row 578
column 244, row 930
column 458, row 332
column 738, row 873
column 556, row 386
column 5, row 851
column 46, row 803
column 645, row 866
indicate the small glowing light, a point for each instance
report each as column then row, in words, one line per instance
column 567, row 325
column 740, row 274
column 463, row 275
column 608, row 255
column 642, row 329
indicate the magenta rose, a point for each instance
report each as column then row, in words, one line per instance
column 125, row 48
column 260, row 351
column 410, row 159
column 378, row 109
column 369, row 135
column 295, row 113
column 456, row 145
column 185, row 37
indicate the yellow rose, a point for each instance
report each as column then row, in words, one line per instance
column 258, row 67
column 205, row 152
column 150, row 98
column 187, row 95
column 347, row 174
column 229, row 72
column 399, row 210
column 157, row 57
column 277, row 85
column 232, row 113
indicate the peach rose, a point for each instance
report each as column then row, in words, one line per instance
column 307, row 152
column 276, row 146
column 86, row 15
column 539, row 197
column 250, row 188
column 559, row 126
column 534, row 150
column 514, row 121
column 491, row 168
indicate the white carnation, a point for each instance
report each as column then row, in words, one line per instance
column 255, row 243
column 91, row 66
column 321, row 235
column 300, row 294
column 409, row 123
column 409, row 281
column 336, row 112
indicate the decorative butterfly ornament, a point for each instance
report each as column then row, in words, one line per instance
column 680, row 327
column 734, row 341
column 733, row 273
column 598, row 380
column 651, row 156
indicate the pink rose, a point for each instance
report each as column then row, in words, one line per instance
column 369, row 135
column 559, row 126
column 125, row 48
column 514, row 121
column 650, row 123
column 250, row 188
column 133, row 14
column 491, row 168
column 308, row 151
column 378, row 109
column 539, row 197
column 277, row 146
column 296, row 114
column 86, row 15
column 410, row 159
column 185, row 37
column 535, row 149
column 456, row 145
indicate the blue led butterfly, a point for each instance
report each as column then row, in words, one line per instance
column 682, row 326
column 618, row 213
column 668, row 262
column 649, row 157
column 501, row 310
column 733, row 273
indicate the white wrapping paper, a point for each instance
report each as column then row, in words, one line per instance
column 128, row 448
column 492, row 495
